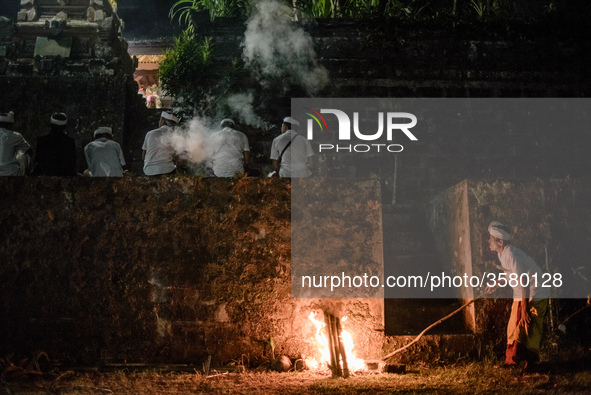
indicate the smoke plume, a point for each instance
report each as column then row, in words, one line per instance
column 241, row 105
column 194, row 141
column 280, row 51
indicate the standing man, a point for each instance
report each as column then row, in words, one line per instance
column 231, row 151
column 530, row 300
column 291, row 153
column 158, row 156
column 14, row 149
column 55, row 154
column 103, row 155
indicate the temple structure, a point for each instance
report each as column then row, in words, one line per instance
column 65, row 37
column 149, row 54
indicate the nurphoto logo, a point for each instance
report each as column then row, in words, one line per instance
column 394, row 124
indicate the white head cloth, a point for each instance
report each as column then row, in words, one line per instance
column 291, row 121
column 9, row 117
column 55, row 121
column 102, row 130
column 169, row 116
column 498, row 230
column 228, row 120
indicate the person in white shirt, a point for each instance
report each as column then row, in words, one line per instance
column 291, row 153
column 158, row 156
column 231, row 151
column 524, row 330
column 103, row 155
column 15, row 152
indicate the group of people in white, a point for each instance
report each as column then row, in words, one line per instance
column 230, row 151
column 55, row 153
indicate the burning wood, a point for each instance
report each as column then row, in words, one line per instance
column 338, row 355
column 336, row 347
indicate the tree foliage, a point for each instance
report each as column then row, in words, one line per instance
column 462, row 10
column 194, row 78
column 184, row 9
column 186, row 72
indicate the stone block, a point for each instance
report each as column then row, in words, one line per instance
column 31, row 14
column 106, row 23
column 102, row 50
column 60, row 16
column 281, row 364
column 45, row 46
column 90, row 13
column 55, row 26
column 97, row 66
column 21, row 16
column 27, row 2
column 99, row 16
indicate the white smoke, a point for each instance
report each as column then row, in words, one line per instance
column 193, row 142
column 241, row 105
column 281, row 53
column 281, row 50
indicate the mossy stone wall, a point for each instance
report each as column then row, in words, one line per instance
column 159, row 270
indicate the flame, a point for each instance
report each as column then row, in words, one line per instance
column 323, row 362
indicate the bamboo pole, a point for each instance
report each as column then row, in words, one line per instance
column 416, row 339
column 337, row 347
column 342, row 349
column 332, row 346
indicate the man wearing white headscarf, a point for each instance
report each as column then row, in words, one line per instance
column 103, row 155
column 14, row 149
column 291, row 153
column 158, row 156
column 230, row 150
column 55, row 152
column 524, row 330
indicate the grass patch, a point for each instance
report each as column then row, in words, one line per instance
column 470, row 378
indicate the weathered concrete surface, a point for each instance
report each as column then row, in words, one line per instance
column 450, row 223
column 157, row 270
column 337, row 232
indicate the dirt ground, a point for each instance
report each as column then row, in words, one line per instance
column 470, row 378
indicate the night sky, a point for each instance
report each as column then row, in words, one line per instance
column 144, row 19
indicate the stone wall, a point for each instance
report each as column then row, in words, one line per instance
column 393, row 58
column 157, row 270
